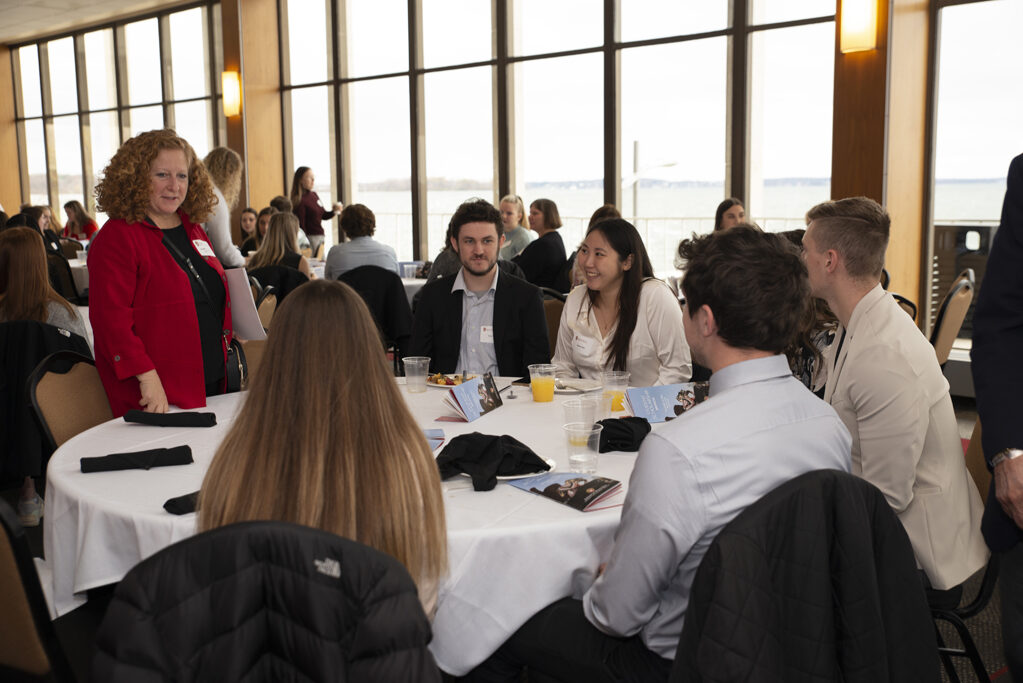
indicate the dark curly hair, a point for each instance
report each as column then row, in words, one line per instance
column 125, row 188
column 474, row 210
column 358, row 221
column 754, row 282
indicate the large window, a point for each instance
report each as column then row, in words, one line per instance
column 978, row 129
column 69, row 142
column 538, row 100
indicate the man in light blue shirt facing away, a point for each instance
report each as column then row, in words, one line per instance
column 359, row 224
column 746, row 294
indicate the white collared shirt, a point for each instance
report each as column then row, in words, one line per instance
column 476, row 353
column 658, row 352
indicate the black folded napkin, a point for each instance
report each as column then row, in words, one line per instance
column 139, row 460
column 171, row 419
column 182, row 505
column 623, row 433
column 485, row 457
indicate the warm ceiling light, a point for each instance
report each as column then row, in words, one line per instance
column 859, row 26
column 231, row 86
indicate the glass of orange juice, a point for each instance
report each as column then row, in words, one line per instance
column 615, row 384
column 541, row 381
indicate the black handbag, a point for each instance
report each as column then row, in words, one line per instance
column 235, row 368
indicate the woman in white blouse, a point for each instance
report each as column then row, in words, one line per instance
column 622, row 318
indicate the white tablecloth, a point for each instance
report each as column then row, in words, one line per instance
column 511, row 553
column 80, row 273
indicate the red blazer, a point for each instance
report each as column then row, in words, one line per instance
column 88, row 230
column 143, row 314
column 311, row 214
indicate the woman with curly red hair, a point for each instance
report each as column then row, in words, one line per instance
column 158, row 297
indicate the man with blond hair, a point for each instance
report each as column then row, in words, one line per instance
column 885, row 383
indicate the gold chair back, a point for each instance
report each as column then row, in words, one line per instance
column 552, row 310
column 72, row 402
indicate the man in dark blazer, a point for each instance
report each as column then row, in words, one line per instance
column 480, row 319
column 997, row 362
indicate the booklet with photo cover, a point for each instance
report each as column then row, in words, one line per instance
column 472, row 399
column 584, row 492
column 660, row 404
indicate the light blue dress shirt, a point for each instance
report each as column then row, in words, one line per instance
column 360, row 251
column 759, row 428
column 477, row 354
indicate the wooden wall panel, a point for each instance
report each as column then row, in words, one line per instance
column 250, row 39
column 879, row 132
column 10, row 178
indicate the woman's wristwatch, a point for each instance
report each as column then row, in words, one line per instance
column 1005, row 454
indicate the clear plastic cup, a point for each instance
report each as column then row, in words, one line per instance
column 615, row 384
column 416, row 370
column 583, row 446
column 408, row 270
column 586, row 410
column 541, row 381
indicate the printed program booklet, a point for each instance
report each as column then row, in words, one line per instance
column 434, row 438
column 660, row 404
column 472, row 399
column 583, row 492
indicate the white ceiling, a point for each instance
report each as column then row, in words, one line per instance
column 22, row 20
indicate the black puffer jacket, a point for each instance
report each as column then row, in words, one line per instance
column 265, row 601
column 817, row 582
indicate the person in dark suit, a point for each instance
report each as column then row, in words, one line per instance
column 997, row 363
column 480, row 319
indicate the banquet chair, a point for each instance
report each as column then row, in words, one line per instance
column 284, row 280
column 266, row 306
column 265, row 601
column 950, row 611
column 951, row 314
column 67, row 396
column 886, row 279
column 70, row 248
column 905, row 304
column 62, row 279
column 319, row 252
column 552, row 309
column 815, row 581
column 29, row 647
column 253, row 350
column 384, row 294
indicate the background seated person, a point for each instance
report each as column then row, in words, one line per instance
column 353, row 462
column 888, row 389
column 516, row 230
column 480, row 319
column 358, row 223
column 759, row 428
column 729, row 214
column 279, row 247
column 80, row 225
column 543, row 259
column 622, row 318
column 253, row 242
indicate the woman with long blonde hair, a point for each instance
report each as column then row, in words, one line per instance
column 280, row 246
column 225, row 169
column 26, row 294
column 353, row 461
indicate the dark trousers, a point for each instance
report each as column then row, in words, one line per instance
column 559, row 643
column 1010, row 584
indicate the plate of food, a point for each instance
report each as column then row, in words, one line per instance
column 443, row 381
column 550, row 461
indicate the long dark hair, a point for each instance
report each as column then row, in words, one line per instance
column 624, row 239
column 719, row 215
column 297, row 191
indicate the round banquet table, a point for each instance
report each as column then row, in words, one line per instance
column 511, row 553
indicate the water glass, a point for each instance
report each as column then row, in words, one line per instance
column 585, row 410
column 615, row 384
column 408, row 270
column 583, row 446
column 416, row 370
column 541, row 381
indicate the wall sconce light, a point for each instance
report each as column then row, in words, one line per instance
column 859, row 26
column 231, row 86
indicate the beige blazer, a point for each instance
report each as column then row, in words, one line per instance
column 888, row 389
